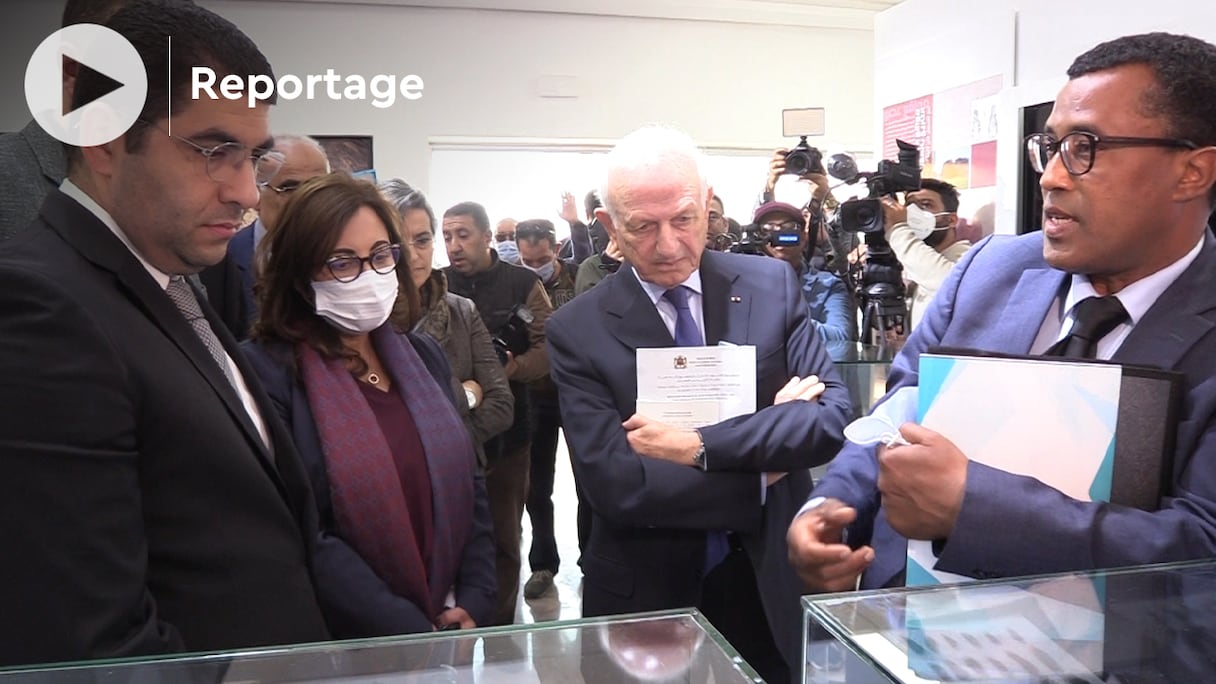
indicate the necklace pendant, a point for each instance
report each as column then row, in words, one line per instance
column 373, row 378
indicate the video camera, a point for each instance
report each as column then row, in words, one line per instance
column 865, row 215
column 513, row 335
column 755, row 238
column 879, row 286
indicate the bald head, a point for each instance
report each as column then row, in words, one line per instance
column 303, row 158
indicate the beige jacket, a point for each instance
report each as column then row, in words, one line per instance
column 923, row 265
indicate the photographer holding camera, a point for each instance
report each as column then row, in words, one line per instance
column 922, row 234
column 782, row 231
column 514, row 306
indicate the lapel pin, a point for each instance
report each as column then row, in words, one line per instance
column 735, row 299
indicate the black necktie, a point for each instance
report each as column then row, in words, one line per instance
column 1093, row 319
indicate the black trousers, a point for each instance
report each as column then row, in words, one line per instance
column 731, row 601
column 546, row 421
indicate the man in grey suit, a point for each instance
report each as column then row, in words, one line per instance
column 1128, row 164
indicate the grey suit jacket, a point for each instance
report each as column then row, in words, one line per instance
column 996, row 300
column 31, row 165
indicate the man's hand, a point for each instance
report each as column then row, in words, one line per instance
column 892, row 213
column 922, row 484
column 613, row 251
column 455, row 615
column 800, row 389
column 569, row 211
column 776, row 167
column 651, row 438
column 816, row 551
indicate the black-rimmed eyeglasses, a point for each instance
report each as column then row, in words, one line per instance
column 224, row 161
column 346, row 268
column 1078, row 149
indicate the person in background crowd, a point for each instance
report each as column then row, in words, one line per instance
column 514, row 307
column 826, row 296
column 588, row 238
column 302, row 158
column 538, row 250
column 479, row 384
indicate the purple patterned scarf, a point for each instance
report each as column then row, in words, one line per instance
column 369, row 505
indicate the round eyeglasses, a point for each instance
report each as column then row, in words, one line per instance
column 346, row 268
column 1078, row 149
column 225, row 160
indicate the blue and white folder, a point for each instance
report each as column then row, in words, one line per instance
column 1095, row 431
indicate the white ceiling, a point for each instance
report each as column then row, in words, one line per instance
column 845, row 14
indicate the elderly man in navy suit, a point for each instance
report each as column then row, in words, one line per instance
column 687, row 517
column 1128, row 162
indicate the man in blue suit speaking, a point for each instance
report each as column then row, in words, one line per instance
column 683, row 517
column 1125, row 265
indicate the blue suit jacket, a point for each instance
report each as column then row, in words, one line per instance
column 996, row 299
column 240, row 251
column 356, row 602
column 646, row 550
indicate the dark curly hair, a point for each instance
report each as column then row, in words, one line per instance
column 1184, row 68
column 289, row 258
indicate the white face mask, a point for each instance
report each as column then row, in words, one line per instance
column 360, row 306
column 545, row 272
column 923, row 223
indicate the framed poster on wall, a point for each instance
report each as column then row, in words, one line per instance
column 350, row 153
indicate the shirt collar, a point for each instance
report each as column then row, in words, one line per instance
column 655, row 292
column 72, row 190
column 1138, row 297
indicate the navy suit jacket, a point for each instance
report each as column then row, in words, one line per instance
column 240, row 253
column 996, row 299
column 356, row 602
column 646, row 550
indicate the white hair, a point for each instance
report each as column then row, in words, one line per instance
column 651, row 146
column 284, row 140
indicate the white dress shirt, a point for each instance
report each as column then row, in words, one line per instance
column 1137, row 298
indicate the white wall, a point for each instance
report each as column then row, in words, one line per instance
column 724, row 83
column 927, row 46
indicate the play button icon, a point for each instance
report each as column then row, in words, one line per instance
column 102, row 53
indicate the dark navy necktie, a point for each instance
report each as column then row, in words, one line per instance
column 687, row 334
column 1092, row 319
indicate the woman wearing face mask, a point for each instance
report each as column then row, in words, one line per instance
column 405, row 543
column 482, row 393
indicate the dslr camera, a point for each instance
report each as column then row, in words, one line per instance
column 803, row 158
column 513, row 335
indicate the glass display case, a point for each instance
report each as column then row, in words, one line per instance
column 1145, row 624
column 864, row 369
column 670, row 646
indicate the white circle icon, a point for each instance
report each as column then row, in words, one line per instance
column 116, row 107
